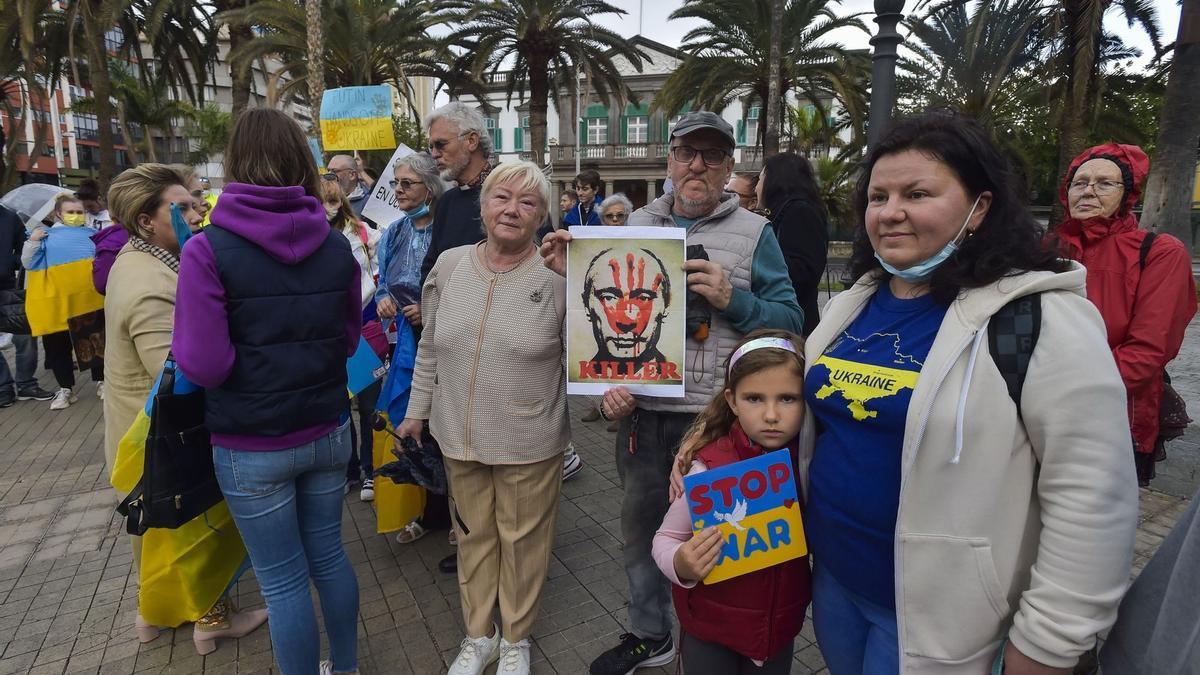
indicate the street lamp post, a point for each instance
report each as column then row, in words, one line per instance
column 888, row 14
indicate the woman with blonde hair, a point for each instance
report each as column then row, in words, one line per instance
column 139, row 317
column 500, row 413
column 269, row 310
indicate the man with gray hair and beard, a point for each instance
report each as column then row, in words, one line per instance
column 460, row 144
column 745, row 282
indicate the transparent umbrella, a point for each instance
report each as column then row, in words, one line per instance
column 32, row 202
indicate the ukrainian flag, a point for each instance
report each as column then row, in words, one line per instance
column 60, row 280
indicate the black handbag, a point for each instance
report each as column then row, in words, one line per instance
column 178, row 481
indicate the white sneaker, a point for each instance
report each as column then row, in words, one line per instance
column 572, row 465
column 63, row 398
column 100, row 390
column 5, row 340
column 514, row 657
column 367, row 493
column 327, row 669
column 475, row 654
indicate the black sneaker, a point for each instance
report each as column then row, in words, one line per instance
column 7, row 400
column 633, row 653
column 34, row 393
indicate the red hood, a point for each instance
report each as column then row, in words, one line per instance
column 1134, row 165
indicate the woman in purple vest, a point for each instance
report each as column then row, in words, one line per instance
column 267, row 312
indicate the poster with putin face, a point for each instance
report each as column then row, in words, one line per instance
column 625, row 310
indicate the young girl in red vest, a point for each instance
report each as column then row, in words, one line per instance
column 746, row 624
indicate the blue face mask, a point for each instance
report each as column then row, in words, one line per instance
column 182, row 231
column 419, row 212
column 923, row 270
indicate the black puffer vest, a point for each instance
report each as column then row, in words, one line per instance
column 288, row 328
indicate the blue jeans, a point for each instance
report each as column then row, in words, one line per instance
column 26, row 358
column 854, row 635
column 288, row 507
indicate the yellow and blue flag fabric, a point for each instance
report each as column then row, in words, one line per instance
column 60, row 280
column 753, row 503
column 182, row 572
column 357, row 118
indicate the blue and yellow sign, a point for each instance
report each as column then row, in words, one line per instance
column 357, row 118
column 753, row 503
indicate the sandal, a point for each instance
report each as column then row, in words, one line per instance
column 411, row 532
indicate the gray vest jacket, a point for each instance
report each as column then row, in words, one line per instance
column 730, row 235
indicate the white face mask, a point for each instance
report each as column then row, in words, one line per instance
column 923, row 270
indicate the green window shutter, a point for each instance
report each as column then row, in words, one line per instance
column 583, row 132
column 624, row 129
column 741, row 132
column 666, row 121
column 518, row 139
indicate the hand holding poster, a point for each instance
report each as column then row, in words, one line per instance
column 625, row 310
column 357, row 118
column 753, row 503
column 382, row 206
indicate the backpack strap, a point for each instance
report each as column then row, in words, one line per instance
column 1012, row 335
column 1144, row 250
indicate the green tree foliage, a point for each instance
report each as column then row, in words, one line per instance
column 728, row 56
column 548, row 43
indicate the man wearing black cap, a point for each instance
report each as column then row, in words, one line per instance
column 745, row 281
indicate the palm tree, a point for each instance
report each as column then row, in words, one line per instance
column 981, row 64
column 729, row 56
column 365, row 42
column 774, row 95
column 835, row 180
column 812, row 131
column 31, row 58
column 209, row 129
column 149, row 108
column 181, row 37
column 1168, row 202
column 239, row 33
column 315, row 47
column 546, row 40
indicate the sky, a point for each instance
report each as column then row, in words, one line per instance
column 656, row 26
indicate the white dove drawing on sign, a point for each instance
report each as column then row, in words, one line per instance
column 735, row 516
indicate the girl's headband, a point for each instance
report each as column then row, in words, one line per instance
column 760, row 343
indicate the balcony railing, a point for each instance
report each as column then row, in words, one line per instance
column 651, row 151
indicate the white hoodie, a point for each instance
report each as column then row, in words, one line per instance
column 1017, row 525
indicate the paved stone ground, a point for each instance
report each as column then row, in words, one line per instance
column 68, row 595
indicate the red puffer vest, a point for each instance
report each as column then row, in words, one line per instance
column 755, row 614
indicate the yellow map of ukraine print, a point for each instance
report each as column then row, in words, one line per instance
column 861, row 383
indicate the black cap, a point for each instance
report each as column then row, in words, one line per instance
column 703, row 119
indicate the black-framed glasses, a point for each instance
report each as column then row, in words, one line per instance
column 441, row 143
column 405, row 184
column 710, row 156
column 1101, row 187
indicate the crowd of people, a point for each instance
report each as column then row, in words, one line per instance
column 969, row 421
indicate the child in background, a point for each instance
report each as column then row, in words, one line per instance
column 746, row 624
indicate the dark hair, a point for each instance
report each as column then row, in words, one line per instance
column 88, row 189
column 788, row 176
column 570, row 193
column 266, row 147
column 750, row 176
column 1008, row 241
column 717, row 418
column 588, row 177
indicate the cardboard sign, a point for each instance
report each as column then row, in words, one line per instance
column 381, row 206
column 357, row 118
column 626, row 314
column 753, row 503
column 364, row 368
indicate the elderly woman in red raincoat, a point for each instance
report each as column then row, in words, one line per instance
column 1141, row 282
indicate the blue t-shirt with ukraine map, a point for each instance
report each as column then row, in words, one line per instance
column 859, row 391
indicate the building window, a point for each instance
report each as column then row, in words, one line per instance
column 86, row 126
column 752, row 125
column 494, row 131
column 113, row 39
column 597, row 131
column 639, row 129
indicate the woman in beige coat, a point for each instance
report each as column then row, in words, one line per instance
column 139, row 316
column 489, row 378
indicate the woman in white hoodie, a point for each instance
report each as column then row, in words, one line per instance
column 956, row 518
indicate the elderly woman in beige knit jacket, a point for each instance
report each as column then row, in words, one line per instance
column 489, row 378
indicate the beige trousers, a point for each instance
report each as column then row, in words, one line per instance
column 504, row 518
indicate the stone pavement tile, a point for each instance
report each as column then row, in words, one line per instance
column 17, row 664
column 55, row 668
column 87, row 662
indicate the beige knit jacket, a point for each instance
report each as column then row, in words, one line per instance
column 489, row 375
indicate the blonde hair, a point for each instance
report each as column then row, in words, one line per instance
column 139, row 190
column 526, row 176
column 717, row 417
column 63, row 198
column 331, row 191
